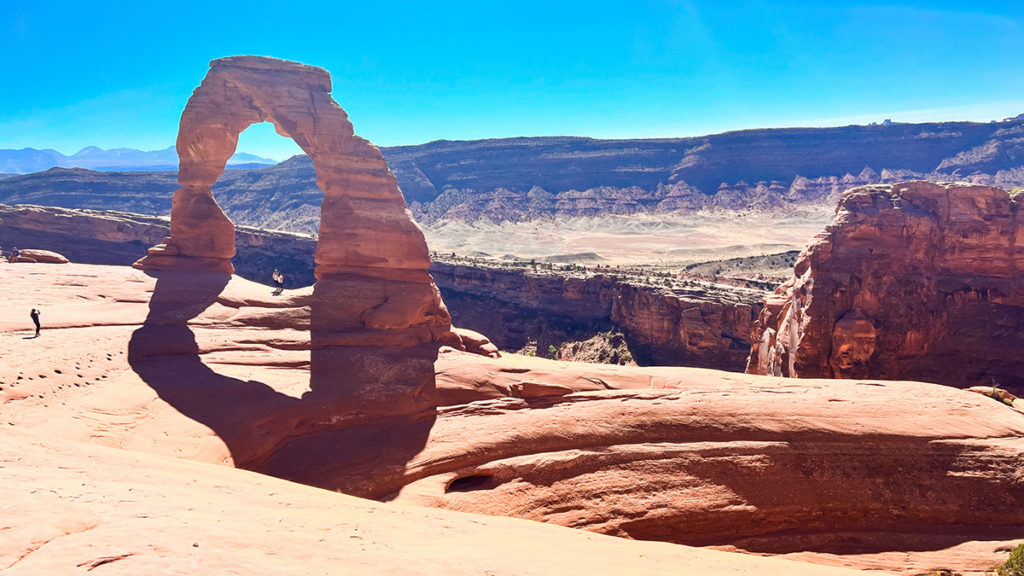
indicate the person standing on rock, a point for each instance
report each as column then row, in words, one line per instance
column 278, row 281
column 35, row 318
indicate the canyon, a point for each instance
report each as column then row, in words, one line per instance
column 697, row 324
column 702, row 326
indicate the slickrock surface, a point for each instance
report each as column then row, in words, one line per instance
column 899, row 475
column 911, row 281
column 69, row 508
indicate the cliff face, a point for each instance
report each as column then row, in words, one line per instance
column 510, row 306
column 661, row 327
column 685, row 329
column 108, row 237
column 517, row 179
column 911, row 281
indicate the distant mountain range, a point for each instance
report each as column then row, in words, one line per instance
column 29, row 160
column 517, row 179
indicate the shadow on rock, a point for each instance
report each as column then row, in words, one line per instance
column 366, row 415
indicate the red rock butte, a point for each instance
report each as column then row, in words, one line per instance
column 911, row 281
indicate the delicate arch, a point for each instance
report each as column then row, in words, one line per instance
column 360, row 193
column 367, row 234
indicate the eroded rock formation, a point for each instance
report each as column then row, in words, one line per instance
column 36, row 255
column 662, row 327
column 360, row 193
column 375, row 315
column 911, row 281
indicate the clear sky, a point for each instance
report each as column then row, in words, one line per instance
column 118, row 74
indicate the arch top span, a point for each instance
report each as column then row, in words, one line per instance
column 365, row 224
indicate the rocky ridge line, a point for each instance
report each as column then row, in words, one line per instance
column 537, row 178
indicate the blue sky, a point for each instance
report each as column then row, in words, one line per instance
column 118, row 74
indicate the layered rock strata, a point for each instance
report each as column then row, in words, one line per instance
column 109, row 237
column 525, row 179
column 512, row 306
column 916, row 280
column 662, row 327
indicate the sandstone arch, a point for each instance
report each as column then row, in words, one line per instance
column 371, row 260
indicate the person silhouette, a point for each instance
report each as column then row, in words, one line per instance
column 278, row 281
column 35, row 319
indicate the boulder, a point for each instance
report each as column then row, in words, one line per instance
column 33, row 255
column 476, row 343
column 995, row 393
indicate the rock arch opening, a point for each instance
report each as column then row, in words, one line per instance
column 367, row 232
column 360, row 192
column 278, row 197
column 375, row 316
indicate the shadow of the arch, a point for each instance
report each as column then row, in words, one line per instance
column 367, row 413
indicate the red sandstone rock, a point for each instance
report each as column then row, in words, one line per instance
column 360, row 193
column 852, row 472
column 911, row 281
column 46, row 256
column 476, row 343
column 73, row 508
column 376, row 316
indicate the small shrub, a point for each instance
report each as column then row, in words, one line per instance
column 1014, row 565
